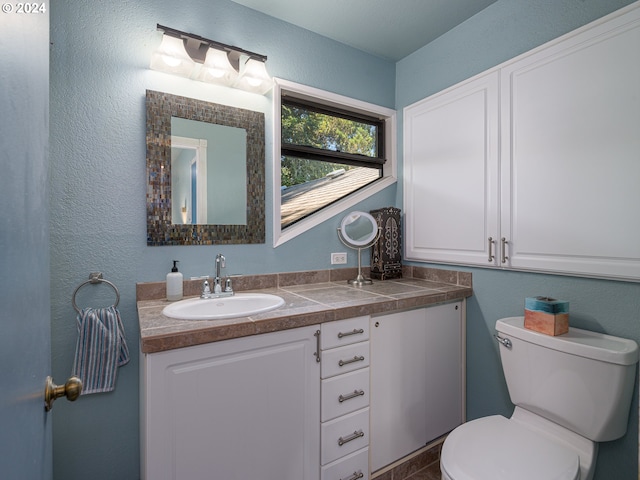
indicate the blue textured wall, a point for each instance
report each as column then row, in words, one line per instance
column 99, row 73
column 500, row 32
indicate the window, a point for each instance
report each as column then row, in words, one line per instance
column 334, row 152
column 326, row 154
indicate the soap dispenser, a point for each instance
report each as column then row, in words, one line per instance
column 174, row 283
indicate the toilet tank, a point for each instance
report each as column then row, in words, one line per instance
column 581, row 380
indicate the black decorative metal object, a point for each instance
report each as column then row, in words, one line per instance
column 386, row 253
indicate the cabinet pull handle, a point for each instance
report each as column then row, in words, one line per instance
column 354, row 476
column 491, row 255
column 353, row 332
column 348, row 438
column 317, row 352
column 504, row 250
column 351, row 360
column 349, row 396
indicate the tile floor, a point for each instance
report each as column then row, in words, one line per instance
column 432, row 472
column 425, row 466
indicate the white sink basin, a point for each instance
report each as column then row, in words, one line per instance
column 239, row 305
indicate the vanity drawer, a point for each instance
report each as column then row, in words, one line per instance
column 344, row 394
column 354, row 466
column 344, row 435
column 344, row 332
column 344, row 359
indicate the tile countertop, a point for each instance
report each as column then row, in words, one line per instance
column 310, row 298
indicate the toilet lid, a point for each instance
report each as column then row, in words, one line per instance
column 496, row 448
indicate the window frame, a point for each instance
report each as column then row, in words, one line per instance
column 344, row 104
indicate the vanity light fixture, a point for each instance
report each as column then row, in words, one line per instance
column 254, row 77
column 209, row 61
column 217, row 68
column 171, row 57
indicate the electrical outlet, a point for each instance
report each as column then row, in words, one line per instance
column 338, row 258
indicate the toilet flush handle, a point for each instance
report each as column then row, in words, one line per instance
column 504, row 341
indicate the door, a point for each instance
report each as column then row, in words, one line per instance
column 570, row 162
column 240, row 409
column 417, row 380
column 451, row 174
column 25, row 346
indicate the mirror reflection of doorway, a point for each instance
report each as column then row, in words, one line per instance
column 221, row 186
column 188, row 180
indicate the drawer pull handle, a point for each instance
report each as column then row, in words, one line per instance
column 348, row 438
column 355, row 331
column 357, row 358
column 356, row 393
column 355, row 476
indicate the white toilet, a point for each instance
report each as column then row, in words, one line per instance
column 570, row 392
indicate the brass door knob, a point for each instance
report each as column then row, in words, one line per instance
column 71, row 389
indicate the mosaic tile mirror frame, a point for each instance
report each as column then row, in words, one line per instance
column 161, row 107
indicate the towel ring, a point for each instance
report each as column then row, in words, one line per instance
column 94, row 278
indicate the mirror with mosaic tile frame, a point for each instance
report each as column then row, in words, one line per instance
column 163, row 228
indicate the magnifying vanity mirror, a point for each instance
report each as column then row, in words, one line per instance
column 359, row 230
column 205, row 172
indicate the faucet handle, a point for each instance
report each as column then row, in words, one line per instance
column 227, row 287
column 205, row 288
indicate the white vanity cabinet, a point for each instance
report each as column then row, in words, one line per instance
column 344, row 452
column 264, row 407
column 246, row 408
column 417, row 379
column 534, row 164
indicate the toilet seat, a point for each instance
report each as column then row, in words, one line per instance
column 496, row 448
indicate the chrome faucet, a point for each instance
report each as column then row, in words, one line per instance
column 217, row 288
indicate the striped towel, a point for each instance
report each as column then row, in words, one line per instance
column 101, row 348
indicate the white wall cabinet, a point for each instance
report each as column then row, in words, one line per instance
column 417, row 379
column 534, row 164
column 240, row 409
column 451, row 173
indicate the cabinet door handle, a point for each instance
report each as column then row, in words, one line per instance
column 491, row 255
column 317, row 352
column 351, row 360
column 504, row 250
column 348, row 438
column 349, row 396
column 354, row 476
column 353, row 332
